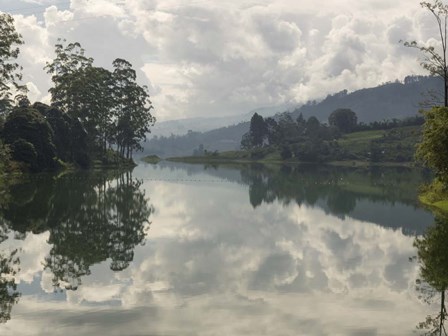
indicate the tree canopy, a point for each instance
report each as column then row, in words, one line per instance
column 114, row 109
column 432, row 150
column 10, row 74
column 344, row 119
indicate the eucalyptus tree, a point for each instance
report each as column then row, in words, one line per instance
column 10, row 70
column 113, row 108
column 70, row 61
column 82, row 90
column 133, row 107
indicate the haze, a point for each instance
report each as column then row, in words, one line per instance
column 216, row 58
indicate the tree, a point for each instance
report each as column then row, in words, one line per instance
column 31, row 139
column 64, row 70
column 288, row 129
column 436, row 61
column 432, row 150
column 9, row 70
column 258, row 130
column 132, row 108
column 344, row 119
column 273, row 131
column 312, row 127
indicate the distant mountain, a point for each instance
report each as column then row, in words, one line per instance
column 203, row 124
column 388, row 101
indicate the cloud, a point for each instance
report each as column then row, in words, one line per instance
column 212, row 58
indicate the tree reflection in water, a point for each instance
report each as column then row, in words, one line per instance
column 90, row 217
column 9, row 263
column 345, row 191
column 110, row 223
column 432, row 253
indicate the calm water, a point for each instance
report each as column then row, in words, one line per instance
column 180, row 249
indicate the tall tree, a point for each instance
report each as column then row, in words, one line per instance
column 435, row 61
column 10, row 74
column 133, row 107
column 258, row 130
column 65, row 72
column 83, row 91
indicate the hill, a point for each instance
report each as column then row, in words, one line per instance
column 388, row 101
column 204, row 124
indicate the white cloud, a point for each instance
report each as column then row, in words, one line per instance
column 215, row 58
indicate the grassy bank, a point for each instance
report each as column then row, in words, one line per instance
column 435, row 196
column 151, row 159
column 393, row 147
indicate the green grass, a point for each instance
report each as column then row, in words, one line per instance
column 358, row 143
column 394, row 145
column 152, row 159
column 435, row 196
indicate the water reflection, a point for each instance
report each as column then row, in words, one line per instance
column 89, row 218
column 9, row 263
column 298, row 262
column 385, row 196
column 432, row 253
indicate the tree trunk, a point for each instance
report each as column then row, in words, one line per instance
column 442, row 312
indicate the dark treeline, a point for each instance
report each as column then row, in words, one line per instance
column 310, row 140
column 95, row 114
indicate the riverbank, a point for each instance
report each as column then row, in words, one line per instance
column 435, row 196
column 243, row 157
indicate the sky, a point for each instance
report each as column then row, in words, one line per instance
column 228, row 57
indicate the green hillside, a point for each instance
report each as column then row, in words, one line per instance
column 393, row 146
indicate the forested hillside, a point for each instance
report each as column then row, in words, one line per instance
column 388, row 101
column 392, row 100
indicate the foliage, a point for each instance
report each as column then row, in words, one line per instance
column 257, row 134
column 66, row 73
column 132, row 109
column 433, row 149
column 69, row 135
column 9, row 69
column 435, row 62
column 311, row 141
column 344, row 119
column 111, row 106
column 26, row 129
column 435, row 195
column 5, row 159
column 393, row 145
